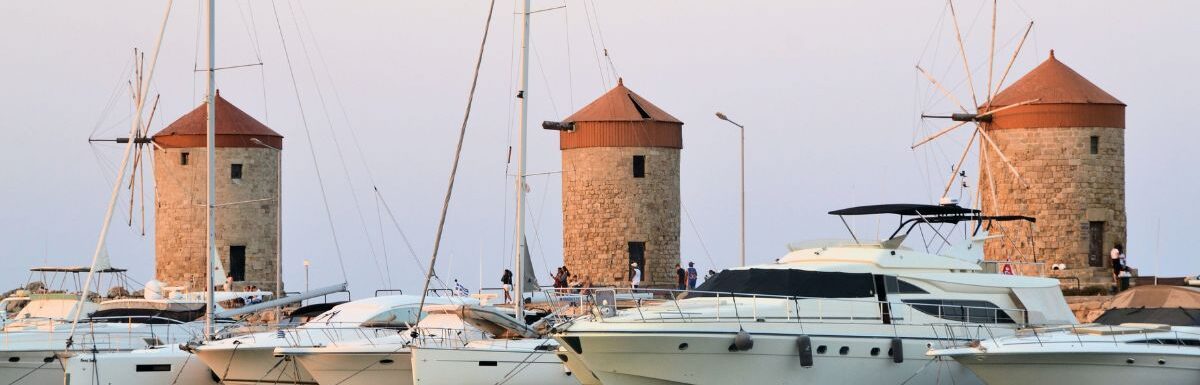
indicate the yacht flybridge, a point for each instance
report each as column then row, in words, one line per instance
column 830, row 312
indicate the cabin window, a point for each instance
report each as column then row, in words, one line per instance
column 154, row 368
column 821, row 349
column 183, row 158
column 1095, row 144
column 982, row 312
column 237, row 263
column 401, row 317
column 639, row 166
column 1168, row 341
column 899, row 286
column 235, row 171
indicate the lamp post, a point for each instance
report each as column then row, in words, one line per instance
column 743, row 187
column 306, row 275
column 278, row 223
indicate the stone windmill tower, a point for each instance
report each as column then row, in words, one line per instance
column 1069, row 147
column 248, row 191
column 620, row 159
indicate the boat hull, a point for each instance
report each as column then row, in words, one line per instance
column 458, row 366
column 1084, row 368
column 706, row 358
column 165, row 365
column 253, row 365
column 32, row 367
column 393, row 367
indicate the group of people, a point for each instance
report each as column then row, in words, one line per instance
column 567, row 282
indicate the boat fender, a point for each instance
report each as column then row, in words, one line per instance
column 897, row 350
column 743, row 341
column 805, row 345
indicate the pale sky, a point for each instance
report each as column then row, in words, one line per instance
column 827, row 91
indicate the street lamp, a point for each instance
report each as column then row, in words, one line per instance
column 306, row 275
column 278, row 222
column 743, row 162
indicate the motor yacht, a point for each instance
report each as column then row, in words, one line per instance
column 250, row 358
column 1148, row 334
column 515, row 353
column 827, row 312
column 381, row 358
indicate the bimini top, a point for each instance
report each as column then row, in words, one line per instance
column 906, row 209
column 1158, row 304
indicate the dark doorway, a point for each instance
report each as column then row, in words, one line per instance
column 1096, row 244
column 237, row 262
column 637, row 254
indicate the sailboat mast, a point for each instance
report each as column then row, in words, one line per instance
column 211, row 139
column 522, row 96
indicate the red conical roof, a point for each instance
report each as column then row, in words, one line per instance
column 620, row 105
column 235, row 128
column 1052, row 82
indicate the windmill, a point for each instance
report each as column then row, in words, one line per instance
column 141, row 142
column 977, row 115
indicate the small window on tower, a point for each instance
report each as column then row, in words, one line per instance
column 1095, row 145
column 639, row 166
column 237, row 263
column 183, row 158
column 235, row 171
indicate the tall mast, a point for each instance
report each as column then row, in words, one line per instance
column 522, row 96
column 211, row 139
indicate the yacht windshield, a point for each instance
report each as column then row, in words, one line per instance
column 789, row 283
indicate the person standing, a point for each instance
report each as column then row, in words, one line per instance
column 692, row 276
column 680, row 278
column 506, row 281
column 1116, row 257
column 635, row 275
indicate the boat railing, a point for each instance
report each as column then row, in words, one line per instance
column 683, row 306
column 1093, row 334
column 103, row 334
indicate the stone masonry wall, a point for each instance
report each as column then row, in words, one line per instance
column 605, row 207
column 180, row 192
column 1068, row 187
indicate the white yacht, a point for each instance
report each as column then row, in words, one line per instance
column 115, row 326
column 1150, row 334
column 516, row 354
column 251, row 359
column 838, row 312
column 381, row 358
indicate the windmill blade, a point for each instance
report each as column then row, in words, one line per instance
column 938, row 134
column 963, row 158
column 1003, row 158
column 945, row 91
column 993, row 112
column 962, row 50
column 992, row 54
column 1016, row 52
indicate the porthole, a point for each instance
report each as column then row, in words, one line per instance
column 48, row 359
column 890, row 352
column 1162, row 362
column 874, row 352
column 1129, row 361
column 14, row 359
column 387, row 361
column 683, row 346
column 821, row 349
column 844, row 350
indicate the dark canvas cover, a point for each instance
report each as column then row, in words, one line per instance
column 789, row 283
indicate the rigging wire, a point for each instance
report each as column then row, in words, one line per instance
column 604, row 80
column 462, row 133
column 308, row 135
column 384, row 279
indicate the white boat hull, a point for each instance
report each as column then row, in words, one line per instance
column 30, row 368
column 384, row 366
column 651, row 358
column 477, row 366
column 165, row 365
column 1085, row 368
column 253, row 365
